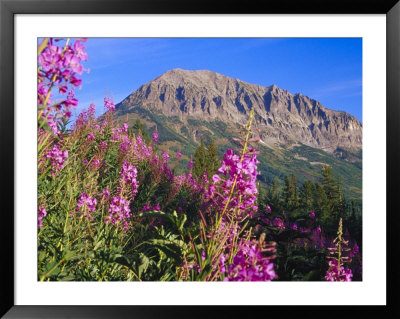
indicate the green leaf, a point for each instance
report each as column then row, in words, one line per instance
column 144, row 263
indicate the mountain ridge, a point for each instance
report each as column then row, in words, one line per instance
column 282, row 117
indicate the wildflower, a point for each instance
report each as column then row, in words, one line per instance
column 73, row 62
column 190, row 164
column 79, row 50
column 58, row 68
column 41, row 214
column 156, row 207
column 155, row 137
column 165, row 156
column 71, row 100
column 126, row 144
column 87, row 202
column 109, row 105
column 336, row 273
column 203, row 255
column 278, row 222
column 241, row 172
column 90, row 137
column 268, row 209
column 312, row 214
column 103, row 145
column 92, row 109
column 178, row 155
column 119, row 211
column 125, row 127
column 57, row 158
column 216, row 178
column 53, row 127
column 95, row 163
column 105, row 193
column 128, row 177
column 115, row 134
column 146, row 208
column 249, row 264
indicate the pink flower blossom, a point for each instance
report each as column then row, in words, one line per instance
column 119, row 211
column 87, row 204
column 109, row 105
column 90, row 137
column 41, row 214
column 103, row 145
column 336, row 273
column 155, row 137
column 146, row 208
column 165, row 156
column 128, row 177
column 249, row 264
column 57, row 158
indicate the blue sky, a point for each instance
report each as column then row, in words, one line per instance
column 326, row 69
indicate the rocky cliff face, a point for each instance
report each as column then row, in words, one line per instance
column 282, row 117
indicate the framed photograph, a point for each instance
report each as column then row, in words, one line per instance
column 168, row 159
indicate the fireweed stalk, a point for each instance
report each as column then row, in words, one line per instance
column 228, row 253
column 337, row 271
column 57, row 68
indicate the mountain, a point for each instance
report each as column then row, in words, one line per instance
column 297, row 133
column 282, row 117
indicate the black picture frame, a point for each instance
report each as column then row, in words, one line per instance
column 8, row 10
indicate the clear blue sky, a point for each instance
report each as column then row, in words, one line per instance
column 326, row 69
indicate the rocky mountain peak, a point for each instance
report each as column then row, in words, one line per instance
column 282, row 117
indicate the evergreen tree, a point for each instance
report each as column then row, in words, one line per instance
column 286, row 193
column 213, row 163
column 306, row 195
column 328, row 183
column 139, row 129
column 272, row 196
column 290, row 193
column 293, row 192
column 200, row 160
column 340, row 202
column 320, row 201
column 274, row 190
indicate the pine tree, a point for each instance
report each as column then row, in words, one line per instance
column 306, row 195
column 340, row 203
column 328, row 183
column 286, row 192
column 212, row 160
column 274, row 190
column 139, row 129
column 293, row 192
column 320, row 201
column 200, row 160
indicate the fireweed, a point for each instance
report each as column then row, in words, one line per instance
column 229, row 254
column 58, row 69
column 337, row 258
